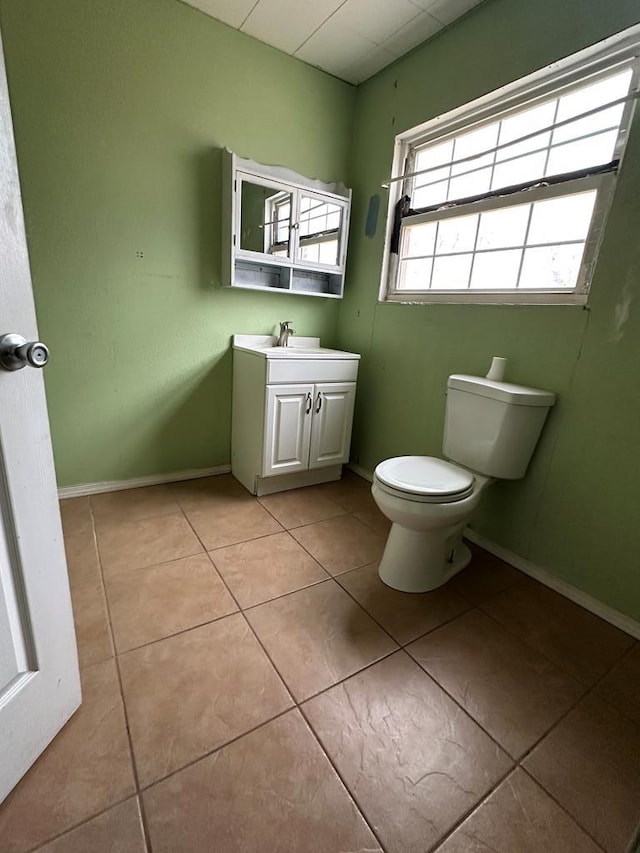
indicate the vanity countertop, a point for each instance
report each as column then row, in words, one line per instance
column 299, row 348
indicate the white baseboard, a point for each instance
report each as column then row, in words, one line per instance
column 609, row 614
column 137, row 482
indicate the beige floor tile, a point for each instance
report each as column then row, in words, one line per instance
column 149, row 604
column 352, row 493
column 191, row 693
column 133, row 504
column 118, row 830
column 231, row 522
column 413, row 760
column 375, row 519
column 92, row 623
column 318, row 636
column 621, row 687
column 340, row 544
column 301, row 506
column 208, row 492
column 591, row 764
column 508, row 687
column 86, row 769
column 576, row 640
column 272, row 790
column 484, row 577
column 82, row 558
column 76, row 515
column 404, row 615
column 137, row 544
column 265, row 568
column 519, row 817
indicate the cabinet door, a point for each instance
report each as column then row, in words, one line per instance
column 287, row 429
column 332, row 420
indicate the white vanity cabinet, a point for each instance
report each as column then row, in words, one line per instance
column 292, row 414
column 282, row 232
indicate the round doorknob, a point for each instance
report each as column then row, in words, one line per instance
column 16, row 352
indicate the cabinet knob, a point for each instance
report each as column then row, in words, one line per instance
column 319, row 402
column 308, row 409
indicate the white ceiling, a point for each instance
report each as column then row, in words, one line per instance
column 351, row 39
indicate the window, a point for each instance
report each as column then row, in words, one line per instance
column 504, row 200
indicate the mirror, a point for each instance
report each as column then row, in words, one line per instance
column 319, row 230
column 265, row 219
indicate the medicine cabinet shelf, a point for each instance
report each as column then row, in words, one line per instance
column 282, row 232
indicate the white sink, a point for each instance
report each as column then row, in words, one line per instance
column 299, row 348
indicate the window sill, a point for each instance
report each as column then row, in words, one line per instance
column 467, row 298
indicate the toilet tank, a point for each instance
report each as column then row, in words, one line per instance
column 493, row 427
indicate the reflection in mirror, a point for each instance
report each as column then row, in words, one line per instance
column 265, row 215
column 319, row 233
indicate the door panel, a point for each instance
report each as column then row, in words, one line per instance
column 39, row 679
column 288, row 429
column 332, row 420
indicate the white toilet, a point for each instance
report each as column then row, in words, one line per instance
column 490, row 431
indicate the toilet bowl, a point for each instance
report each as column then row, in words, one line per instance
column 429, row 502
column 490, row 432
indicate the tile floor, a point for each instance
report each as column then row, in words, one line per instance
column 250, row 685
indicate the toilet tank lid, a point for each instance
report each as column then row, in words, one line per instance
column 516, row 395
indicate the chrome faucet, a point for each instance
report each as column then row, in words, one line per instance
column 285, row 334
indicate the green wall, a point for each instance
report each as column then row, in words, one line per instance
column 120, row 110
column 576, row 513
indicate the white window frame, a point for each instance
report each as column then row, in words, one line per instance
column 621, row 49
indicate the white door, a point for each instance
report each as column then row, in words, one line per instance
column 39, row 680
column 332, row 420
column 288, row 429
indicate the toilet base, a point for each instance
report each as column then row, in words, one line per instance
column 422, row 560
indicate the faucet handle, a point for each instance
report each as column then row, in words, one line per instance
column 284, row 326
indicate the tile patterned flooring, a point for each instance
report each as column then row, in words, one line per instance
column 250, row 685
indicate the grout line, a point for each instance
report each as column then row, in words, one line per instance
column 42, row 844
column 134, row 766
column 467, row 814
column 562, row 807
column 350, row 793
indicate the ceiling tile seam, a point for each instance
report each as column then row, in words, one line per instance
column 319, row 27
column 251, row 11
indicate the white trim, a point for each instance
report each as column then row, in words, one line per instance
column 604, row 611
column 609, row 614
column 136, row 482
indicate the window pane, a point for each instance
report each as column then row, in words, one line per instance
column 419, row 239
column 451, row 273
column 551, row 267
column 524, row 123
column 457, row 234
column 415, row 275
column 587, row 97
column 503, row 228
column 434, row 155
column 474, row 183
column 476, row 142
column 515, row 172
column 560, row 219
column 428, row 195
column 493, row 270
column 582, row 153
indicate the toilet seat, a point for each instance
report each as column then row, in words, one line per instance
column 424, row 479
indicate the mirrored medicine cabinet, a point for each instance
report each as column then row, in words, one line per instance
column 282, row 231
